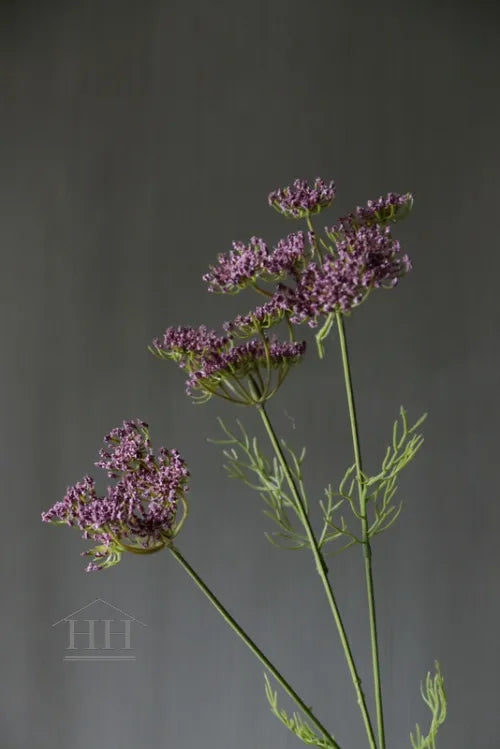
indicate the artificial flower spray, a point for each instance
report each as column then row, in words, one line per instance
column 311, row 277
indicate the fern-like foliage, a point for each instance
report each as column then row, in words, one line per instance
column 434, row 696
column 334, row 523
column 296, row 724
column 381, row 488
column 377, row 492
column 245, row 461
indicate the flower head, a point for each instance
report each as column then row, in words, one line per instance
column 243, row 373
column 139, row 512
column 365, row 258
column 184, row 344
column 290, row 255
column 246, row 263
column 126, row 447
column 239, row 268
column 394, row 207
column 259, row 319
column 300, row 199
column 247, row 373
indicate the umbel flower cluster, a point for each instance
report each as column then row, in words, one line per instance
column 304, row 278
column 300, row 199
column 138, row 513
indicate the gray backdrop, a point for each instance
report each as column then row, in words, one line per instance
column 138, row 139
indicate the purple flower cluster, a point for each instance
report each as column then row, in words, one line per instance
column 309, row 279
column 221, row 368
column 185, row 343
column 394, row 207
column 366, row 258
column 238, row 268
column 259, row 319
column 245, row 263
column 138, row 512
column 289, row 254
column 300, row 199
column 126, row 447
column 224, row 369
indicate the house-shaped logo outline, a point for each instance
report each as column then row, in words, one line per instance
column 70, row 618
column 99, row 600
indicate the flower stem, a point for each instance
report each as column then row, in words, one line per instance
column 316, row 246
column 252, row 646
column 323, row 573
column 365, row 534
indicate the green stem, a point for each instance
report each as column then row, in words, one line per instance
column 365, row 534
column 251, row 645
column 323, row 573
column 316, row 246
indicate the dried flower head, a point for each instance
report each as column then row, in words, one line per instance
column 139, row 512
column 300, row 199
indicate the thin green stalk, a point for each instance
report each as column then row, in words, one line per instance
column 251, row 645
column 322, row 571
column 316, row 246
column 365, row 535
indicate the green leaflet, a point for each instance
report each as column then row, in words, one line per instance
column 245, row 461
column 434, row 697
column 378, row 490
column 295, row 723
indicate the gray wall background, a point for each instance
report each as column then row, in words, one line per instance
column 138, row 140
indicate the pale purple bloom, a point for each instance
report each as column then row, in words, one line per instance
column 67, row 510
column 246, row 263
column 127, row 446
column 139, row 510
column 289, row 255
column 262, row 317
column 243, row 360
column 239, row 267
column 391, row 208
column 211, row 361
column 365, row 258
column 184, row 343
column 301, row 199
